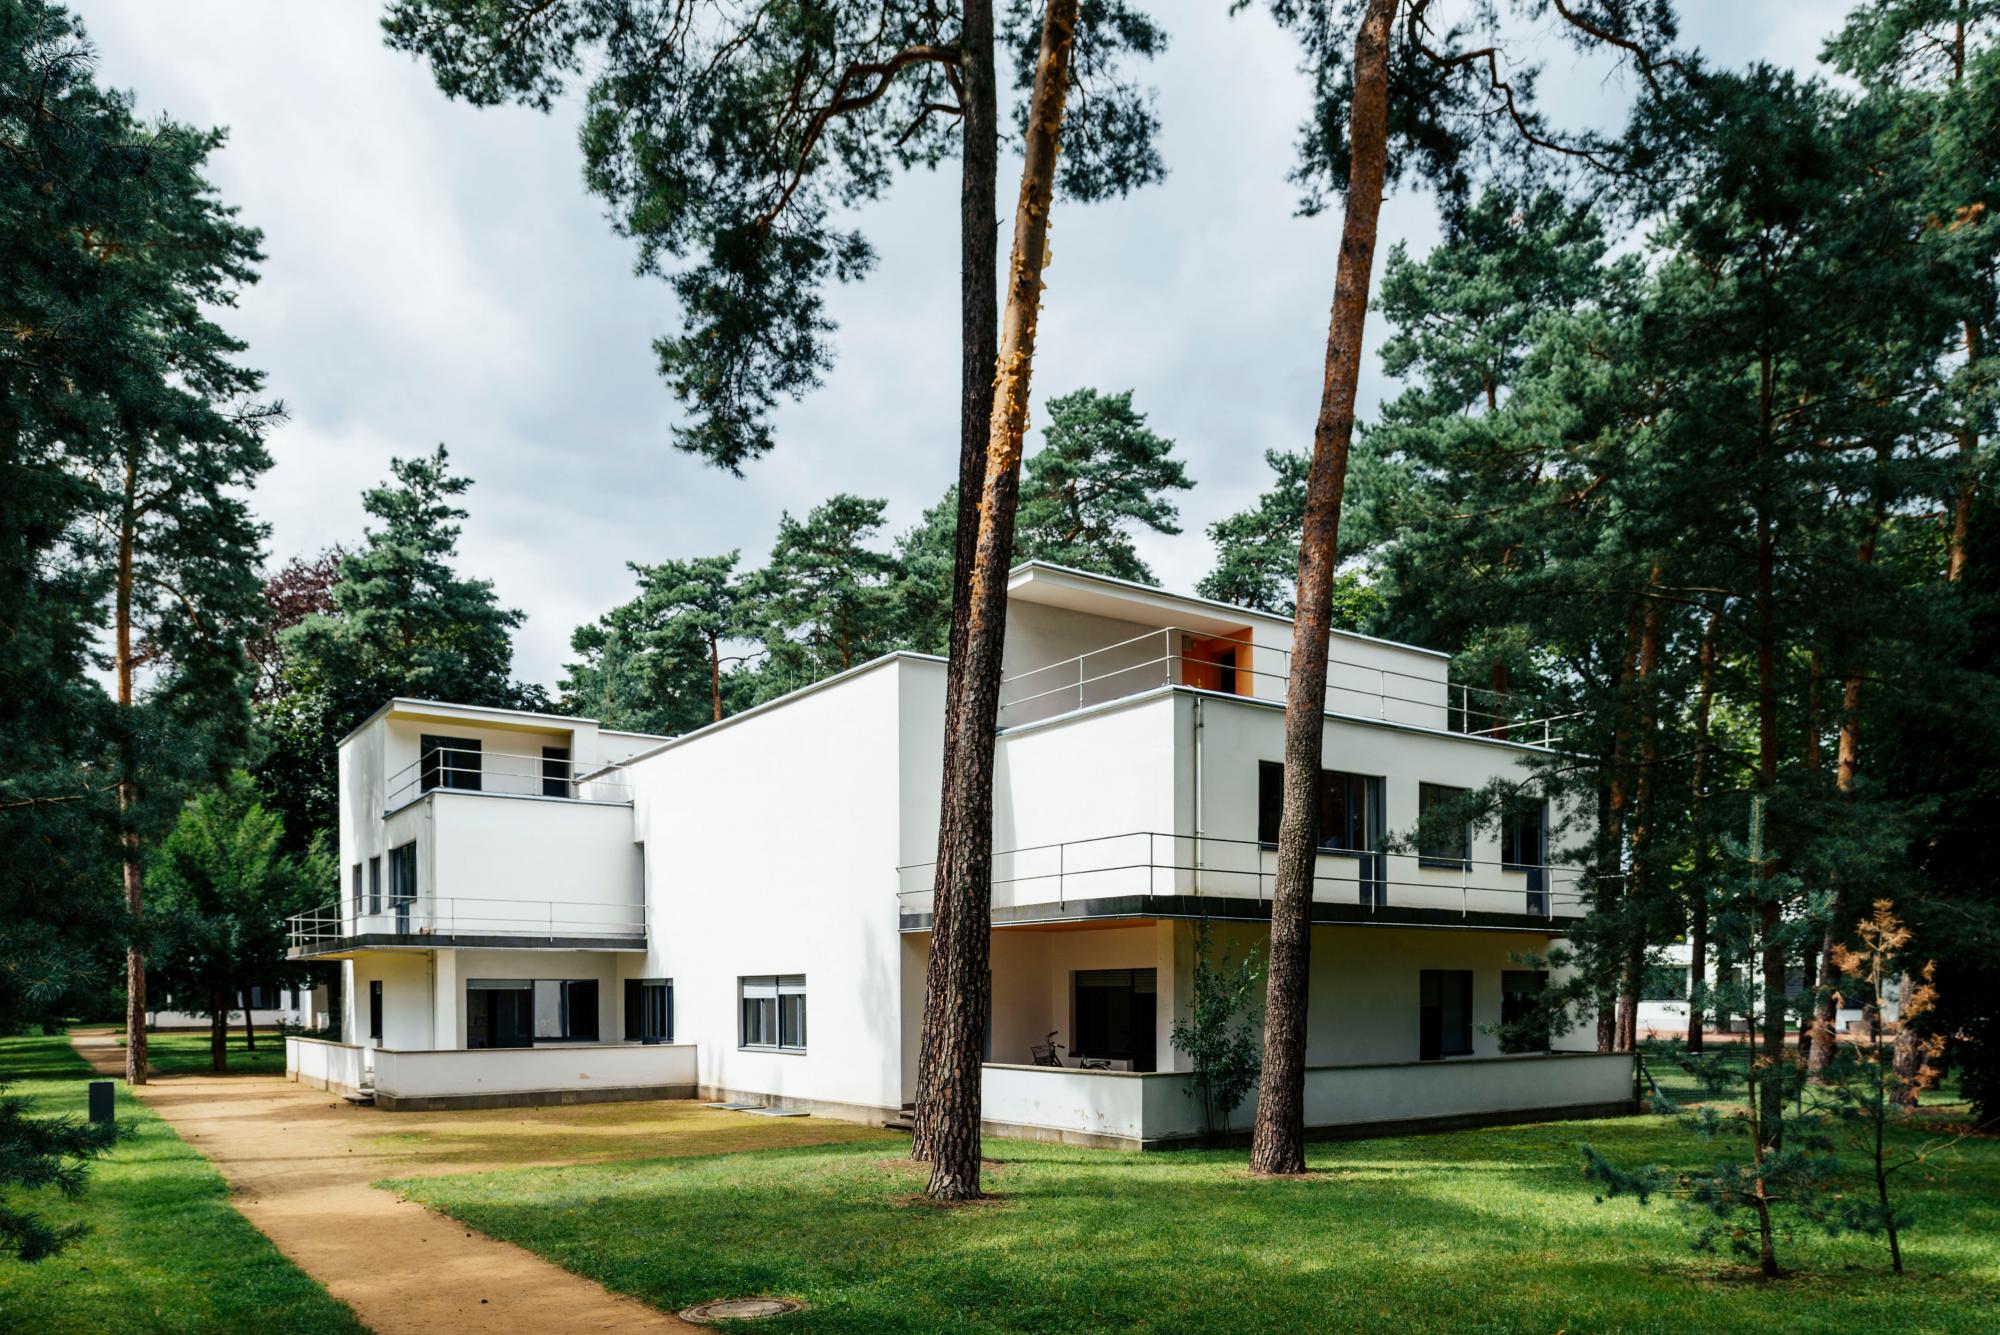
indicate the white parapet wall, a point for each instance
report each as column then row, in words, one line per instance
column 338, row 1067
column 1134, row 1109
column 545, row 1073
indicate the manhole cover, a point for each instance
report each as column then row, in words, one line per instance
column 741, row 1309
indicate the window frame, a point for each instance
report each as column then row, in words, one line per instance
column 1431, row 857
column 375, row 884
column 1271, row 775
column 773, row 988
column 637, row 1010
column 456, row 763
column 375, row 1010
column 1435, row 979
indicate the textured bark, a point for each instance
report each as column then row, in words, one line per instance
column 1818, row 1040
column 1612, row 825
column 130, row 856
column 1770, row 1128
column 1698, row 799
column 249, row 1024
column 959, row 987
column 1638, row 885
column 1278, row 1139
column 967, row 854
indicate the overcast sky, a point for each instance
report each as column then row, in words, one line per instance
column 438, row 273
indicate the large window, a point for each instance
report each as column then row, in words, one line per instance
column 448, row 762
column 649, row 1010
column 1346, row 808
column 1445, row 1014
column 1114, row 1012
column 772, row 1008
column 519, row 1012
column 1523, row 1025
column 1444, row 835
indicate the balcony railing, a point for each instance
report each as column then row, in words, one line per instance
column 331, row 926
column 1163, row 658
column 466, row 770
column 1153, row 863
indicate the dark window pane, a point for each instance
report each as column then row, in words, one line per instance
column 1270, row 800
column 448, row 762
column 555, row 771
column 580, row 1009
column 1441, row 837
column 1444, row 1027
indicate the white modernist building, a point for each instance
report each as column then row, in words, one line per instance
column 535, row 908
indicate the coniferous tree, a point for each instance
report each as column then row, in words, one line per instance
column 655, row 664
column 153, row 435
column 1391, row 97
column 825, row 602
column 740, row 188
column 223, row 886
column 1101, row 472
column 403, row 622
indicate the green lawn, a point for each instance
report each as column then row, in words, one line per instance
column 187, row 1052
column 1478, row 1231
column 167, row 1251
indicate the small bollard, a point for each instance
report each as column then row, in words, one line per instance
column 103, row 1097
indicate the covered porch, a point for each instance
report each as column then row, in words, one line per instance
column 1401, row 1031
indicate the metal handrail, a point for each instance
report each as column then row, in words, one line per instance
column 429, row 915
column 534, row 776
column 1370, row 878
column 1458, row 717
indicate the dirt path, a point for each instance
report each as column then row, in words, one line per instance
column 298, row 1162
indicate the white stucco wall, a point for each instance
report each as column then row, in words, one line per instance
column 546, row 1066
column 771, row 843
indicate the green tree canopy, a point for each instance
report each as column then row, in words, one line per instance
column 826, row 600
column 655, row 663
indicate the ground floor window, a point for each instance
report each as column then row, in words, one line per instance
column 518, row 1012
column 375, row 1009
column 1114, row 1015
column 772, row 1011
column 1523, row 1026
column 1445, row 1010
column 649, row 1010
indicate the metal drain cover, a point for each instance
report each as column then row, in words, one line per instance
column 740, row 1309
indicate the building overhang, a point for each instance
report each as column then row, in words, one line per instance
column 1111, row 909
column 347, row 947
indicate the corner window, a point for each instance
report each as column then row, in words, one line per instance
column 1444, row 1027
column 771, row 1011
column 649, row 1010
column 1444, row 837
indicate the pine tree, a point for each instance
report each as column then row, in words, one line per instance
column 1437, row 101
column 655, row 664
column 825, row 602
column 223, row 887
column 403, row 622
column 1101, row 472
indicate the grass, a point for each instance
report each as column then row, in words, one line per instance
column 167, row 1252
column 186, row 1052
column 603, row 1132
column 1490, row 1230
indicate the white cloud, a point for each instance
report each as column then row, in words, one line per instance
column 437, row 272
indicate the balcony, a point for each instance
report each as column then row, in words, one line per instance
column 457, row 769
column 1174, row 656
column 431, row 923
column 1153, row 874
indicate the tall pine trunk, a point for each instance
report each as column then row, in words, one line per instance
column 249, row 1024
column 1638, row 884
column 1277, row 1142
column 130, row 855
column 1611, row 848
column 1847, row 762
column 1771, row 1098
column 1698, row 879
column 964, row 855
column 959, row 986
